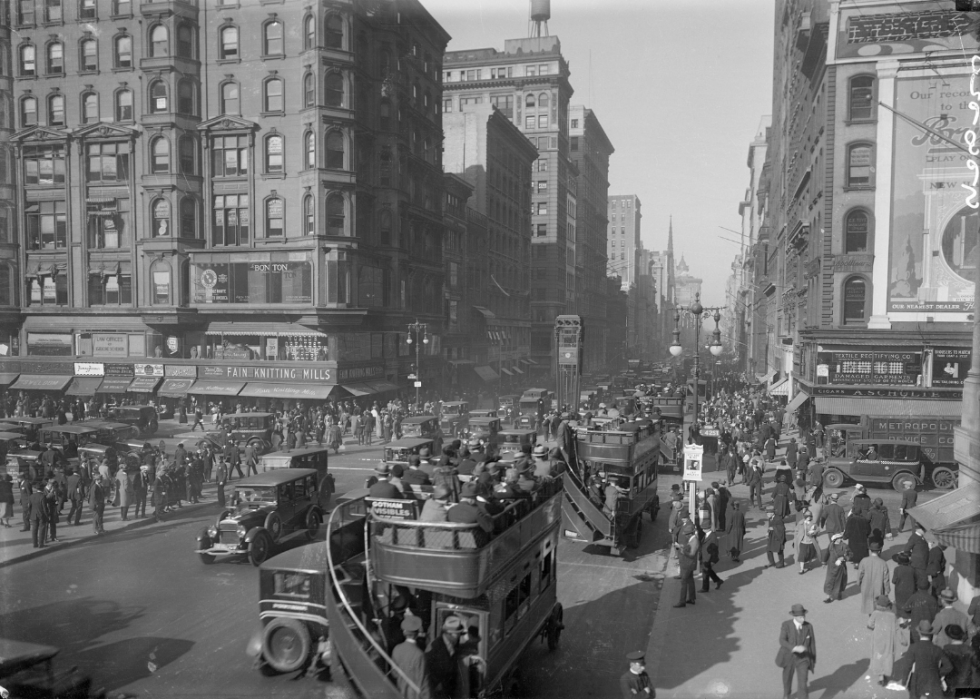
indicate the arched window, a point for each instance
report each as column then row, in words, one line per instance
column 28, row 60
column 543, row 100
column 28, row 112
column 275, row 213
column 188, row 217
column 309, row 32
column 333, row 32
column 273, row 98
column 56, row 110
column 309, row 90
column 158, row 97
column 334, row 89
column 56, row 58
column 228, row 41
column 855, row 301
column 335, row 150
column 185, row 41
column 124, row 51
column 862, row 93
column 229, row 98
column 309, row 215
column 90, row 108
column 185, row 96
column 529, row 101
column 857, row 231
column 88, row 55
column 187, row 154
column 159, row 41
column 160, row 155
column 336, row 216
column 160, row 213
column 161, row 280
column 274, row 153
column 309, row 146
column 124, row 105
column 272, row 39
column 860, row 165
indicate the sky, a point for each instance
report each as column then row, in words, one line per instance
column 678, row 86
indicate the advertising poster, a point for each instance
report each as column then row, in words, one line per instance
column 933, row 246
column 252, row 282
column 950, row 365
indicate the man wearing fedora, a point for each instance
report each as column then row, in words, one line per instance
column 442, row 659
column 410, row 659
column 797, row 651
column 635, row 683
column 946, row 616
column 925, row 664
column 963, row 658
column 384, row 488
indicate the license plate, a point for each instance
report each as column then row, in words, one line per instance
column 225, row 547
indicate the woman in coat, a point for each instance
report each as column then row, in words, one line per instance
column 124, row 490
column 776, row 540
column 880, row 524
column 836, row 579
column 884, row 632
column 735, row 531
column 335, row 438
column 771, row 449
column 806, row 550
column 856, row 531
column 781, row 496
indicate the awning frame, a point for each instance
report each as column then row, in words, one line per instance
column 798, row 400
column 954, row 518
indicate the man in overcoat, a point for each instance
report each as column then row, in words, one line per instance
column 797, row 651
column 735, row 531
column 776, row 540
column 37, row 506
column 929, row 661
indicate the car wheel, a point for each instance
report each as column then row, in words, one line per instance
column 944, row 478
column 286, row 644
column 833, row 478
column 273, row 524
column 313, row 521
column 259, row 548
column 899, row 481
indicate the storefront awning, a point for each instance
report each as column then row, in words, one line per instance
column 261, row 330
column 517, row 369
column 6, row 378
column 213, row 387
column 358, row 389
column 381, row 386
column 887, row 407
column 505, row 371
column 953, row 518
column 84, row 386
column 798, row 400
column 486, row 373
column 145, row 384
column 255, row 389
column 780, row 388
column 175, row 388
column 114, row 384
column 529, row 361
column 765, row 378
column 41, row 382
column 460, row 362
column 485, row 312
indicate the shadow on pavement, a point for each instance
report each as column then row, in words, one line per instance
column 122, row 663
column 844, row 676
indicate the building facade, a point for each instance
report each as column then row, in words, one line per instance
column 623, row 244
column 10, row 269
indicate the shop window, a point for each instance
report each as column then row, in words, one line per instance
column 28, row 60
column 274, row 100
column 28, row 112
column 44, row 165
column 124, row 105
column 335, row 150
column 185, row 41
column 229, row 156
column 161, row 280
column 860, row 166
column 862, row 104
column 231, row 220
column 160, row 155
column 273, row 45
column 124, row 52
column 88, row 52
column 857, row 232
column 336, row 216
column 333, row 32
column 229, row 98
column 855, row 301
column 47, row 227
column 158, row 97
column 309, row 146
column 309, row 215
column 107, row 162
column 185, row 96
column 274, row 218
column 228, row 42
column 56, row 58
column 188, row 217
column 111, row 290
column 187, row 152
column 159, row 41
column 160, row 212
column 309, row 32
column 309, row 90
column 56, row 110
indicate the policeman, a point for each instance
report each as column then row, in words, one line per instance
column 636, row 683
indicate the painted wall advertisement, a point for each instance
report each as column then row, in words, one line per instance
column 285, row 282
column 888, row 368
column 933, row 248
column 950, row 365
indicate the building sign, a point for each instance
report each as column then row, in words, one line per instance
column 933, row 250
column 864, row 34
column 110, row 344
column 853, row 263
column 261, row 373
column 89, row 369
column 891, row 368
column 693, row 455
column 148, row 369
column 949, row 365
column 357, row 373
column 119, row 370
column 252, row 282
column 49, row 344
column 394, row 509
column 905, row 393
column 189, row 372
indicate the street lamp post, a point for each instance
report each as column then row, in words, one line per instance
column 418, row 329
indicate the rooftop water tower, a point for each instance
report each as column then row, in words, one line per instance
column 540, row 14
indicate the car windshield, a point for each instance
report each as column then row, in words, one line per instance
column 262, row 494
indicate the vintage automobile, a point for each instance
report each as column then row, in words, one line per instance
column 12, row 445
column 455, row 415
column 511, row 441
column 27, row 670
column 398, row 451
column 243, row 428
column 880, row 461
column 484, row 412
column 316, row 458
column 426, row 426
column 487, row 430
column 114, row 432
column 30, row 425
column 60, row 436
column 267, row 509
column 142, row 416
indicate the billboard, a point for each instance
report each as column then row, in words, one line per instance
column 933, row 242
column 252, row 282
column 865, row 33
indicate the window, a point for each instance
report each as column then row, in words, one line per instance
column 542, row 121
column 89, row 55
column 529, row 101
column 229, row 43
column 28, row 112
column 856, row 232
column 855, row 296
column 505, row 103
column 7, row 297
column 862, row 92
column 56, row 58
column 335, row 214
column 541, row 229
column 231, row 220
column 309, row 215
column 543, row 100
column 56, row 110
column 105, row 224
column 574, row 123
column 529, row 122
column 230, row 156
column 111, row 290
column 107, row 162
column 335, row 150
column 272, row 45
column 44, row 165
column 447, row 106
column 274, row 95
column 52, row 11
column 333, row 32
column 124, row 105
column 573, row 143
column 859, row 166
column 309, row 146
column 530, row 70
column 160, row 155
column 185, row 96
column 159, row 41
column 309, row 32
column 384, row 226
column 161, row 285
column 160, row 212
column 47, row 290
column 309, row 90
column 540, row 208
column 188, row 217
column 334, row 90
column 274, row 154
column 25, row 12
column 122, row 7
column 187, row 153
column 28, row 60
column 274, row 218
column 185, row 41
column 369, row 286
column 124, row 52
column 229, row 98
column 90, row 108
column 158, row 97
column 542, row 186
column 47, row 227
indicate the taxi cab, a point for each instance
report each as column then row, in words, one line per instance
column 315, row 458
column 398, row 451
column 455, row 415
column 511, row 441
column 892, row 462
column 487, row 430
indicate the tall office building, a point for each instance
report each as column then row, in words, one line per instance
column 623, row 244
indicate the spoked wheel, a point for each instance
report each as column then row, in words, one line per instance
column 944, row 478
column 555, row 625
column 258, row 550
column 833, row 478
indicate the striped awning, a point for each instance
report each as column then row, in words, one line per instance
column 505, row 371
column 41, row 382
column 175, row 388
column 953, row 518
column 7, row 378
column 213, row 387
column 780, row 388
column 262, row 330
column 144, row 384
column 797, row 401
column 84, row 386
column 850, row 405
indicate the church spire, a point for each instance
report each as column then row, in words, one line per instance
column 670, row 238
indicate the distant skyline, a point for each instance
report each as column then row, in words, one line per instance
column 678, row 91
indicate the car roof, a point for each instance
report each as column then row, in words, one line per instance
column 29, row 420
column 72, row 429
column 102, row 424
column 409, row 442
column 17, row 655
column 277, row 477
column 11, row 435
column 311, row 558
column 418, row 418
column 294, row 452
column 455, row 402
column 482, row 419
